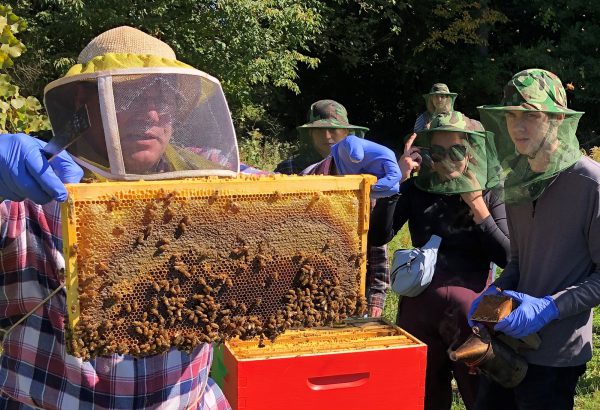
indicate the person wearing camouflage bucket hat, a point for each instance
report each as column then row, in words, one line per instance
column 535, row 133
column 553, row 209
column 470, row 165
column 438, row 100
column 331, row 114
column 328, row 124
column 454, row 196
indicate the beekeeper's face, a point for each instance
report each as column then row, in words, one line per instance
column 527, row 130
column 449, row 153
column 440, row 102
column 145, row 119
column 324, row 138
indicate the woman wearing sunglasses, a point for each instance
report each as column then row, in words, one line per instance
column 455, row 195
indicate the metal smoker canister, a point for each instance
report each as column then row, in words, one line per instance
column 492, row 357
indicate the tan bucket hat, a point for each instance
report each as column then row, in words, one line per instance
column 125, row 40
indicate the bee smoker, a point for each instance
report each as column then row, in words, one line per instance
column 492, row 357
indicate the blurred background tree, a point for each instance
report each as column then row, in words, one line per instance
column 17, row 112
column 377, row 57
column 253, row 47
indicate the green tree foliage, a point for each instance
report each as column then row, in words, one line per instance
column 252, row 46
column 560, row 36
column 263, row 152
column 17, row 113
column 378, row 57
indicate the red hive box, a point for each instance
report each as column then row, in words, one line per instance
column 368, row 364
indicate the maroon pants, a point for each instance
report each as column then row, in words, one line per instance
column 438, row 317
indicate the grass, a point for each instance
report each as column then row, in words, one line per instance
column 588, row 389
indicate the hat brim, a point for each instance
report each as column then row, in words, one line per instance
column 554, row 110
column 324, row 124
column 450, row 129
column 424, row 137
column 440, row 93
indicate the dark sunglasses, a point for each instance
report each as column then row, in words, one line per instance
column 455, row 152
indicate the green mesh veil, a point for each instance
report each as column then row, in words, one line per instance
column 458, row 156
column 534, row 133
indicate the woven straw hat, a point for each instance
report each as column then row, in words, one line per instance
column 125, row 40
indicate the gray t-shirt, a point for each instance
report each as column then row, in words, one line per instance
column 555, row 250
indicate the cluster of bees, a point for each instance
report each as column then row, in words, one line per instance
column 194, row 300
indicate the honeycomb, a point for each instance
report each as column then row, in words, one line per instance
column 155, row 265
column 351, row 335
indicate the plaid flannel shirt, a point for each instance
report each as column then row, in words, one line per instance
column 36, row 371
column 378, row 270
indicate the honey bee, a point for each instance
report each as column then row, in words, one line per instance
column 168, row 215
column 262, row 261
column 298, row 257
column 233, row 207
column 147, row 231
column 74, row 249
column 181, row 228
column 139, row 240
column 163, row 241
column 243, row 308
column 239, row 251
column 169, row 197
column 328, row 245
column 359, row 260
column 276, row 196
column 150, row 215
column 212, row 199
column 102, row 267
column 112, row 203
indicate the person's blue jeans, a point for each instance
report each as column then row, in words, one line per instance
column 543, row 388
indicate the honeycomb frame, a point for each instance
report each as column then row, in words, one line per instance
column 151, row 265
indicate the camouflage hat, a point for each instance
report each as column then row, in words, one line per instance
column 440, row 89
column 454, row 121
column 330, row 114
column 468, row 166
column 534, row 90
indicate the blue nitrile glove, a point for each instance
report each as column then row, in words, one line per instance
column 354, row 155
column 26, row 174
column 531, row 315
column 491, row 290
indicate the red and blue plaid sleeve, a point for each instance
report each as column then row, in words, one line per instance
column 35, row 369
